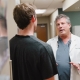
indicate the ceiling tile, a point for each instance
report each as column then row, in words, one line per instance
column 27, row 1
column 50, row 5
column 56, row 5
column 42, row 4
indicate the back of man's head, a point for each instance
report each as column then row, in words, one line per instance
column 22, row 14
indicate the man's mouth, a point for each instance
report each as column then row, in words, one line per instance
column 61, row 30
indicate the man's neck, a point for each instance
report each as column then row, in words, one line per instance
column 26, row 31
column 66, row 38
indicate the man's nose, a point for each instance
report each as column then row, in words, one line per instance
column 60, row 25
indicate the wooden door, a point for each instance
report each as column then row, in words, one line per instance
column 42, row 32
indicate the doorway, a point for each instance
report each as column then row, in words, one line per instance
column 42, row 32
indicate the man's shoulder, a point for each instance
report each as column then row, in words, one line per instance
column 76, row 37
column 12, row 39
column 42, row 43
column 52, row 39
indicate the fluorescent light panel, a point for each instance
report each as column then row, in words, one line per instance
column 40, row 11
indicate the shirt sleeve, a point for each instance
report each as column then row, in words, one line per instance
column 47, row 63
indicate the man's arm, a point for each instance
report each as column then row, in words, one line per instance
column 48, row 66
column 52, row 78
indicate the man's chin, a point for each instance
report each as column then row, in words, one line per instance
column 62, row 34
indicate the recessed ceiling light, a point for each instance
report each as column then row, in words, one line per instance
column 40, row 11
column 17, row 2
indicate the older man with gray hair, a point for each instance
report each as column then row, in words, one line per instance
column 66, row 48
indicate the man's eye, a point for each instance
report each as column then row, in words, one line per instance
column 62, row 23
column 58, row 24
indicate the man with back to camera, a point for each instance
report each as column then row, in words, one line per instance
column 32, row 59
column 66, row 48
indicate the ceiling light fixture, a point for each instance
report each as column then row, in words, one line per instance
column 40, row 11
column 17, row 2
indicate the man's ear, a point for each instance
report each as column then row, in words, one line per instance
column 69, row 25
column 33, row 19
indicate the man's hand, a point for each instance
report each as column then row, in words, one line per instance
column 76, row 65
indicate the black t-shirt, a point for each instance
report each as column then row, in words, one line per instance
column 32, row 59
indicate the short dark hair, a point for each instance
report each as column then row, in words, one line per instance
column 3, row 21
column 23, row 13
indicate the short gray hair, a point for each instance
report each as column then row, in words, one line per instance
column 63, row 16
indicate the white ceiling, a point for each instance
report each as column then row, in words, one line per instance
column 74, row 7
column 49, row 5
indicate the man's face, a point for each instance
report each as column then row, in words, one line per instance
column 63, row 27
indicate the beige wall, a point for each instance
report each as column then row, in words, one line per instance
column 52, row 23
column 43, row 20
column 12, row 27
